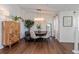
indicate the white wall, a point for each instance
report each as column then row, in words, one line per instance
column 66, row 33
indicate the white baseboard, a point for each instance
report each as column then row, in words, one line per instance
column 66, row 41
column 1, row 47
column 76, row 52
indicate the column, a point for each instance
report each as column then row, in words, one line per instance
column 1, row 46
column 75, row 33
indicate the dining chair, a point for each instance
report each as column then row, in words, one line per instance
column 32, row 34
column 47, row 35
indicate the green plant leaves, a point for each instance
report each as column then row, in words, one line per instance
column 16, row 18
column 29, row 23
column 38, row 26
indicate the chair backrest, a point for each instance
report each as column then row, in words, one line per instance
column 32, row 34
column 48, row 34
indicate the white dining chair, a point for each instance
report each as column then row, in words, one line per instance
column 32, row 34
column 47, row 35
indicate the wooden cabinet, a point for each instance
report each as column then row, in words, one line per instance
column 11, row 32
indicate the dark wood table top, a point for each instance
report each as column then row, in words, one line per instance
column 41, row 33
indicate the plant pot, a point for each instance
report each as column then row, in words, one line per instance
column 27, row 35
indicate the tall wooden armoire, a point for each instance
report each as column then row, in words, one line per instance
column 11, row 32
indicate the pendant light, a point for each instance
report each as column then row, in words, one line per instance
column 39, row 18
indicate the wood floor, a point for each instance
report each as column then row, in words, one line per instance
column 50, row 46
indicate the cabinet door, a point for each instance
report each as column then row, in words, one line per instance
column 11, row 32
column 6, row 29
column 15, row 32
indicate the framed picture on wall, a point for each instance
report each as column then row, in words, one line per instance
column 67, row 21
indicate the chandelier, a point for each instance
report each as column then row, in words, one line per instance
column 39, row 18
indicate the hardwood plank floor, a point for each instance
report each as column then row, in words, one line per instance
column 50, row 46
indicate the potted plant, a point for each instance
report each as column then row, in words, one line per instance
column 28, row 24
column 16, row 18
column 38, row 27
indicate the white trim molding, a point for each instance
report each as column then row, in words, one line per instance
column 75, row 51
column 1, row 46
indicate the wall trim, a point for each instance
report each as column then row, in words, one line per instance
column 66, row 41
column 1, row 47
column 76, row 52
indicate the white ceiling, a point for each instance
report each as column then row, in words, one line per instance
column 48, row 8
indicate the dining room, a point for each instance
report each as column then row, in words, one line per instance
column 43, row 26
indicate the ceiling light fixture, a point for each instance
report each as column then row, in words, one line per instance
column 39, row 18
